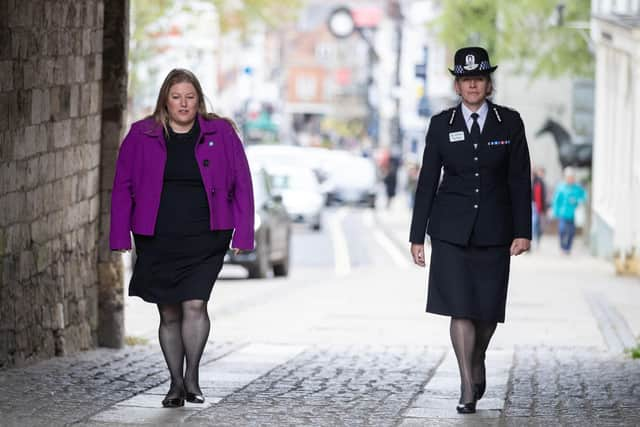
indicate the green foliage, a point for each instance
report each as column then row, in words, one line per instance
column 132, row 341
column 524, row 32
column 237, row 16
column 467, row 23
column 635, row 352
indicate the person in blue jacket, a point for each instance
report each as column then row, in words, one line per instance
column 568, row 196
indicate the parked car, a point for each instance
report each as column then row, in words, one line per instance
column 314, row 158
column 351, row 180
column 272, row 232
column 300, row 193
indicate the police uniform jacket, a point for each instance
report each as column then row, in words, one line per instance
column 483, row 197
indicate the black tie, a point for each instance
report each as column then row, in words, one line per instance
column 475, row 130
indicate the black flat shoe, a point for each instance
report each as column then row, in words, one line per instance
column 195, row 398
column 479, row 389
column 173, row 402
column 466, row 408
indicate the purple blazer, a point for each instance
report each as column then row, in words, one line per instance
column 137, row 185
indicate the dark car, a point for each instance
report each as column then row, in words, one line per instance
column 272, row 233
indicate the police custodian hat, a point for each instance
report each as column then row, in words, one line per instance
column 471, row 61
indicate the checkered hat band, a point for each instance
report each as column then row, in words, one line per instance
column 484, row 65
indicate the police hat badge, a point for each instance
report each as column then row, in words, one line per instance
column 471, row 61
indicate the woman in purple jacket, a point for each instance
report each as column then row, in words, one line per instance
column 183, row 188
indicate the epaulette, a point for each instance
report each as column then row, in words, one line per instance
column 504, row 107
column 499, row 110
column 449, row 113
column 443, row 112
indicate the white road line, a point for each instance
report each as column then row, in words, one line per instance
column 399, row 258
column 340, row 247
column 368, row 219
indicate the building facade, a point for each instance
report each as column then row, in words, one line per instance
column 615, row 29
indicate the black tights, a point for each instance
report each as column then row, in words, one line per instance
column 183, row 332
column 470, row 339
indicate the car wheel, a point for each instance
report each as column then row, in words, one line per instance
column 317, row 226
column 281, row 269
column 260, row 269
column 372, row 203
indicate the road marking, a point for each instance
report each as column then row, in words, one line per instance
column 340, row 247
column 368, row 219
column 398, row 257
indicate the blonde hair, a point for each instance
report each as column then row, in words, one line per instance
column 175, row 76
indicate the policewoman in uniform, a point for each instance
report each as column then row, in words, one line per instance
column 473, row 198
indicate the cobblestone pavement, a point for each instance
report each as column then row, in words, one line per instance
column 573, row 387
column 67, row 389
column 354, row 386
column 358, row 350
column 326, row 386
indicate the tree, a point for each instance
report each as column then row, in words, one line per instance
column 150, row 17
column 525, row 32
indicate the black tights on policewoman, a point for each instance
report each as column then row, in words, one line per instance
column 470, row 339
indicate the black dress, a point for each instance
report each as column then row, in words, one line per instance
column 182, row 260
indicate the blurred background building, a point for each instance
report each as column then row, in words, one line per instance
column 615, row 27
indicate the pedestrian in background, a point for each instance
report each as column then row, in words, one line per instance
column 413, row 171
column 539, row 208
column 183, row 187
column 568, row 196
column 390, row 179
column 477, row 216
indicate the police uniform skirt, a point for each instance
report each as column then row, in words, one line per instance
column 468, row 281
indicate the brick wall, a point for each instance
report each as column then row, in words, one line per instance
column 50, row 131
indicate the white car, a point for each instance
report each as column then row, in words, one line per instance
column 300, row 193
column 351, row 180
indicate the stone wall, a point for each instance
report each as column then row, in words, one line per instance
column 50, row 131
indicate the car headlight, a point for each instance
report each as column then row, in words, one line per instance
column 257, row 222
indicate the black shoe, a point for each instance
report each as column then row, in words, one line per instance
column 173, row 402
column 479, row 389
column 173, row 399
column 195, row 398
column 466, row 408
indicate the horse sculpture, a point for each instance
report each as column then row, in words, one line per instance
column 569, row 152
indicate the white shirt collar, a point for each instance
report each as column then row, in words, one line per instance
column 482, row 115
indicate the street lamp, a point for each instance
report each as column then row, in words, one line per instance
column 341, row 24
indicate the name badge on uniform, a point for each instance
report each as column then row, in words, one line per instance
column 456, row 136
